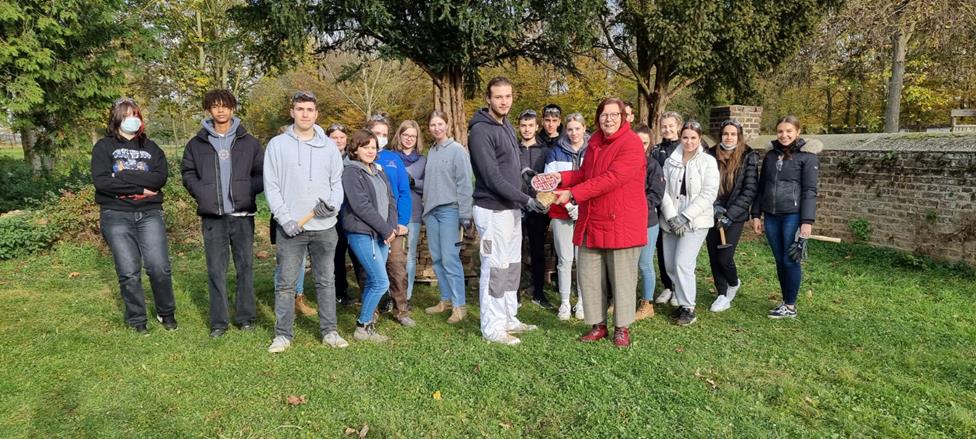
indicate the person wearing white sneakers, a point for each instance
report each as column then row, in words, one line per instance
column 738, row 168
column 670, row 123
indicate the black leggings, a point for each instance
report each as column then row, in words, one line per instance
column 722, row 260
column 662, row 270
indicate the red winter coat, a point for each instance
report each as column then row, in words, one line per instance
column 609, row 189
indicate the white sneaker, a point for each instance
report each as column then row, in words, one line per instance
column 279, row 344
column 721, row 304
column 579, row 311
column 335, row 340
column 664, row 297
column 674, row 300
column 505, row 339
column 520, row 328
column 730, row 293
column 565, row 311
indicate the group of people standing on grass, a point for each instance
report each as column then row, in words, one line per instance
column 336, row 190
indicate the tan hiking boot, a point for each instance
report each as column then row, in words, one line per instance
column 644, row 310
column 457, row 314
column 441, row 306
column 302, row 308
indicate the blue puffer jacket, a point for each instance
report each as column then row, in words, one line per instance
column 396, row 172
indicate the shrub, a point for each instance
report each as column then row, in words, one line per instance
column 23, row 191
column 22, row 233
column 861, row 229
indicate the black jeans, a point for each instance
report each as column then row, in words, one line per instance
column 223, row 236
column 535, row 228
column 722, row 260
column 136, row 238
column 662, row 269
column 342, row 249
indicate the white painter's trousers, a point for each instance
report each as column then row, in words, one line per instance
column 500, row 239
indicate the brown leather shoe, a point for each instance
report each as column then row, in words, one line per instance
column 599, row 331
column 621, row 337
column 302, row 308
column 644, row 310
column 441, row 306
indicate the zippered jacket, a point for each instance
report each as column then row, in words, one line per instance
column 201, row 173
column 789, row 186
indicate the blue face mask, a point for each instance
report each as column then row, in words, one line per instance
column 130, row 125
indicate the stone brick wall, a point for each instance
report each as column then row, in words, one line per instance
column 917, row 191
column 750, row 117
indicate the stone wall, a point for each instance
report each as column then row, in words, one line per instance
column 750, row 117
column 917, row 192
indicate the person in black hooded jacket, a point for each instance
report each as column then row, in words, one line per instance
column 129, row 171
column 670, row 123
column 786, row 205
column 738, row 167
column 222, row 169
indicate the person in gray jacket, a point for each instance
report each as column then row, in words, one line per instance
column 446, row 208
column 303, row 185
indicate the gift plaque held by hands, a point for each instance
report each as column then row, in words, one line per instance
column 544, row 184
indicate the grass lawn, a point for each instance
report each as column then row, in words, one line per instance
column 880, row 349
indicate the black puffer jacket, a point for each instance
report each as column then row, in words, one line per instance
column 790, row 186
column 201, row 173
column 745, row 187
column 663, row 150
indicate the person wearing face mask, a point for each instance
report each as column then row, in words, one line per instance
column 691, row 185
column 567, row 156
column 670, row 122
column 738, row 167
column 396, row 264
column 129, row 171
column 786, row 206
column 222, row 169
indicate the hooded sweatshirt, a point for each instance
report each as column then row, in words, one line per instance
column 122, row 168
column 214, row 178
column 495, row 159
column 222, row 143
column 297, row 173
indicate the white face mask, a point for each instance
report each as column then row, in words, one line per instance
column 381, row 141
column 130, row 125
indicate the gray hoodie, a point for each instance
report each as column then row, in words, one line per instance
column 297, row 173
column 447, row 178
column 222, row 143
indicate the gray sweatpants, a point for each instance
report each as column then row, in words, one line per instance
column 621, row 266
column 566, row 252
column 680, row 257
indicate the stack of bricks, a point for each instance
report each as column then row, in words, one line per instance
column 750, row 117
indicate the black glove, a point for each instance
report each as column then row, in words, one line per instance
column 798, row 250
column 679, row 224
column 527, row 174
column 412, row 182
column 323, row 209
column 719, row 212
column 291, row 228
column 535, row 206
column 724, row 221
column 468, row 226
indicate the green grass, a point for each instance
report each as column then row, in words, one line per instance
column 12, row 152
column 882, row 348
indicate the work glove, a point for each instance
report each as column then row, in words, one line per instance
column 724, row 222
column 527, row 174
column 535, row 206
column 291, row 228
column 719, row 211
column 798, row 250
column 573, row 211
column 679, row 224
column 324, row 210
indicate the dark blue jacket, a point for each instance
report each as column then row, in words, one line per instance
column 396, row 172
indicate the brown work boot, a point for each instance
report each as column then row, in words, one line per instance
column 457, row 314
column 644, row 310
column 302, row 308
column 441, row 306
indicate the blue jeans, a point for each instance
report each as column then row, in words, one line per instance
column 372, row 254
column 138, row 238
column 300, row 284
column 646, row 262
column 442, row 235
column 413, row 238
column 780, row 233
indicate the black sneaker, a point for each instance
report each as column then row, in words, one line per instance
column 141, row 329
column 343, row 299
column 687, row 317
column 543, row 303
column 247, row 326
column 388, row 306
column 676, row 312
column 169, row 322
column 217, row 333
column 782, row 312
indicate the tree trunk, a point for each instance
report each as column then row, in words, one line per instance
column 645, row 71
column 38, row 152
column 848, row 101
column 657, row 100
column 830, row 109
column 449, row 97
column 899, row 50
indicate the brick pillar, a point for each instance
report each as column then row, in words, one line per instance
column 750, row 117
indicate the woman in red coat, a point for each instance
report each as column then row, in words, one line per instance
column 612, row 223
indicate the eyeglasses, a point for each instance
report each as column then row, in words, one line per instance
column 610, row 116
column 408, row 136
column 528, row 114
column 303, row 95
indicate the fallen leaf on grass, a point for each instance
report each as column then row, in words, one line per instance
column 295, row 400
column 809, row 293
column 476, row 368
column 73, row 274
column 712, row 383
column 349, row 431
column 679, row 349
column 436, row 395
column 263, row 254
column 773, row 296
column 809, row 400
column 506, row 425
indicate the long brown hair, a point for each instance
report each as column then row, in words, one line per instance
column 405, row 125
column 728, row 161
column 120, row 110
column 795, row 121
